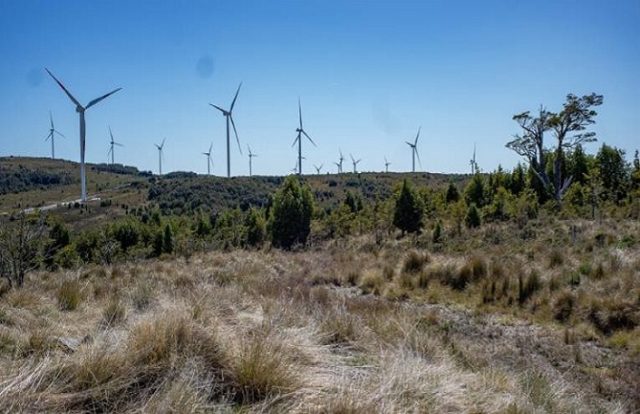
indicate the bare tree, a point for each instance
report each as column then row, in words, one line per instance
column 568, row 128
column 20, row 245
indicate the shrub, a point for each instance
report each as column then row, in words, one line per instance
column 256, row 228
column 290, row 220
column 408, row 211
column 69, row 295
column 556, row 258
column 167, row 240
column 452, row 194
column 472, row 219
column 436, row 237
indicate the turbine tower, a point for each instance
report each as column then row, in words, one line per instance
column 386, row 165
column 414, row 152
column 300, row 130
column 355, row 163
column 160, row 148
column 81, row 110
column 112, row 143
column 340, row 161
column 472, row 162
column 318, row 168
column 229, row 118
column 251, row 155
column 208, row 155
column 51, row 136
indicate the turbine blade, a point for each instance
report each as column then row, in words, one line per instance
column 118, row 144
column 418, row 156
column 352, row 159
column 235, row 97
column 51, row 120
column 409, row 144
column 162, row 145
column 309, row 138
column 48, row 137
column 110, row 133
column 235, row 131
column 75, row 101
column 95, row 101
column 417, row 136
column 56, row 131
column 210, row 148
column 300, row 112
column 295, row 140
column 218, row 108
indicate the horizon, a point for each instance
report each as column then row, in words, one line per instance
column 366, row 81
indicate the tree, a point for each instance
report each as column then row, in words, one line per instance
column 472, row 219
column 167, row 240
column 256, row 227
column 290, row 218
column 517, row 181
column 568, row 128
column 475, row 192
column 20, row 245
column 578, row 165
column 613, row 172
column 635, row 172
column 452, row 194
column 408, row 212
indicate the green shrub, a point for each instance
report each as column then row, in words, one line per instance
column 256, row 228
column 437, row 237
column 472, row 219
column 290, row 220
column 408, row 211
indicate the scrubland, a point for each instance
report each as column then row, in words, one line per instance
column 501, row 320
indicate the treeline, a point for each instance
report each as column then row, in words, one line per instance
column 24, row 179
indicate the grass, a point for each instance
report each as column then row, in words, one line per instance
column 469, row 328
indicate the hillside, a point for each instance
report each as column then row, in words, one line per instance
column 42, row 182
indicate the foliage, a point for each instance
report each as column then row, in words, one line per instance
column 408, row 211
column 472, row 219
column 21, row 245
column 290, row 221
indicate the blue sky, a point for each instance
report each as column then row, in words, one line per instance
column 368, row 74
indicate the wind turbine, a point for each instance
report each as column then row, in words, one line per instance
column 318, row 168
column 300, row 130
column 81, row 110
column 229, row 117
column 355, row 163
column 251, row 155
column 472, row 162
column 160, row 147
column 51, row 136
column 386, row 165
column 414, row 152
column 112, row 143
column 208, row 154
column 340, row 161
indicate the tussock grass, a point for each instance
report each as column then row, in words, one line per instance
column 348, row 330
column 69, row 295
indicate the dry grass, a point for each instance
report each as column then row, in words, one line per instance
column 329, row 331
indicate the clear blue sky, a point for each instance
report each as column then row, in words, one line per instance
column 368, row 73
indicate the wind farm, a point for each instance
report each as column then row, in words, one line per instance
column 154, row 266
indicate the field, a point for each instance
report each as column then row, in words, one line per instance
column 346, row 327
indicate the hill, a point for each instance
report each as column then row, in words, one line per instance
column 51, row 184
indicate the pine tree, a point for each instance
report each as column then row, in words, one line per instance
column 167, row 240
column 290, row 221
column 408, row 212
column 472, row 219
column 452, row 194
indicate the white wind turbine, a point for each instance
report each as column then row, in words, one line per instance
column 251, row 155
column 229, row 118
column 300, row 130
column 208, row 155
column 160, row 148
column 112, row 143
column 355, row 163
column 51, row 136
column 414, row 152
column 386, row 165
column 81, row 110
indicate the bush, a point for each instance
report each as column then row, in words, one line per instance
column 472, row 219
column 436, row 237
column 256, row 228
column 290, row 221
column 408, row 211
